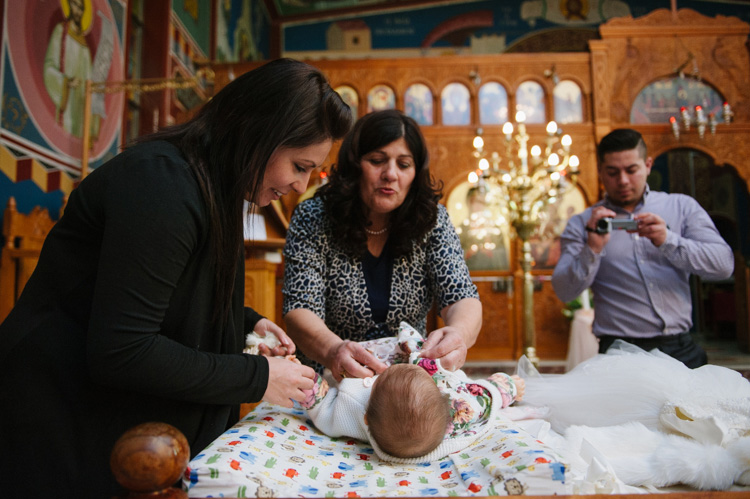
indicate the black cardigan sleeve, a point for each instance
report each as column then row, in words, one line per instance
column 153, row 247
column 251, row 319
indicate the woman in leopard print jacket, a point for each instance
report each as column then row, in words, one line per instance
column 374, row 248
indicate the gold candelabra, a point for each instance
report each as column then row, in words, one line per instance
column 522, row 184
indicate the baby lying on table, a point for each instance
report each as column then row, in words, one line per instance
column 415, row 411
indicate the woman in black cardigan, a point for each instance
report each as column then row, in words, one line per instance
column 135, row 310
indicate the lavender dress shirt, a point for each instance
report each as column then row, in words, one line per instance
column 640, row 290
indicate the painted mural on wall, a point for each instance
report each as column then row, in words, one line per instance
column 469, row 27
column 465, row 27
column 50, row 49
column 242, row 31
column 194, row 16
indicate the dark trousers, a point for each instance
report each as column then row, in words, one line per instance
column 680, row 346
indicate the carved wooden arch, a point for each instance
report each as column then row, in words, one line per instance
column 665, row 41
column 500, row 80
column 718, row 157
column 458, row 78
column 635, row 52
column 674, row 147
column 420, row 80
column 702, row 148
column 728, row 146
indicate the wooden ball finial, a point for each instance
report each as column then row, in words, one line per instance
column 149, row 459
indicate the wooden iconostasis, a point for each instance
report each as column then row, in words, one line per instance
column 622, row 81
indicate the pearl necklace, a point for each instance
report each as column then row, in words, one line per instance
column 376, row 232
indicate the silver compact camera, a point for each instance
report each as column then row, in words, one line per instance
column 607, row 224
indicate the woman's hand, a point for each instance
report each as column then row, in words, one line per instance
column 287, row 347
column 448, row 345
column 349, row 359
column 287, row 381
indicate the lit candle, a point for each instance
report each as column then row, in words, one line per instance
column 727, row 112
column 574, row 162
column 675, row 127
column 699, row 114
column 520, row 117
column 553, row 159
column 473, row 178
column 508, row 129
column 484, row 164
column 478, row 142
column 551, row 128
column 685, row 117
column 566, row 141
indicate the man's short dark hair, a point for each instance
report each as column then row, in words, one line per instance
column 622, row 139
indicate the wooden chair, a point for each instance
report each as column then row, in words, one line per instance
column 23, row 236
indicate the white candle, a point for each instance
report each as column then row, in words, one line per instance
column 507, row 129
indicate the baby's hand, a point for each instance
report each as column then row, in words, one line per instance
column 520, row 386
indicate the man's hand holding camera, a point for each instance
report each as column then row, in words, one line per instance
column 596, row 240
column 652, row 227
column 603, row 219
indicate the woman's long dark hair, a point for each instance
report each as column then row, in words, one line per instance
column 409, row 222
column 284, row 103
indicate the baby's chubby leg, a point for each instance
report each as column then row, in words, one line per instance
column 512, row 388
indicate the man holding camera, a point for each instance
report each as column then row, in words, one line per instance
column 639, row 269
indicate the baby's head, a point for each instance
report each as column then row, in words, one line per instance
column 407, row 415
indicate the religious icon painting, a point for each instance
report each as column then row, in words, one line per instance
column 350, row 97
column 380, row 97
column 456, row 103
column 418, row 104
column 51, row 49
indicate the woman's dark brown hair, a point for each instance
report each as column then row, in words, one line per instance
column 284, row 103
column 409, row 222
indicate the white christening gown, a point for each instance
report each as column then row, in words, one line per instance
column 710, row 403
column 654, row 420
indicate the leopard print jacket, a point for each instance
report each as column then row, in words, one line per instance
column 319, row 277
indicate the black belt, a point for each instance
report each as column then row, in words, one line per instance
column 653, row 342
